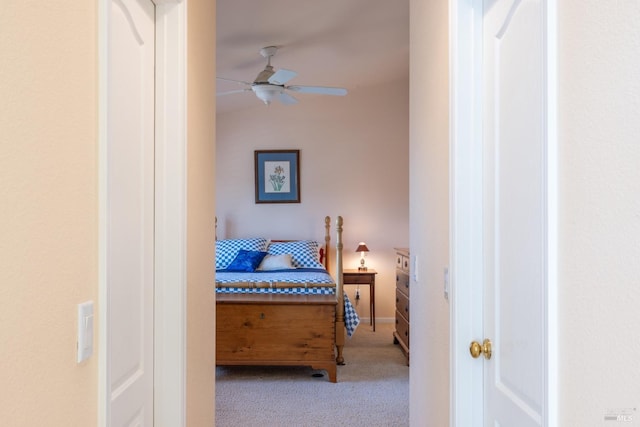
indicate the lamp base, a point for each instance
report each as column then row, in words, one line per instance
column 362, row 268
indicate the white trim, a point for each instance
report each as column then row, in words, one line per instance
column 103, row 332
column 170, row 232
column 465, row 190
column 552, row 397
column 170, row 338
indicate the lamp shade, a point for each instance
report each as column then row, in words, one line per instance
column 362, row 247
column 267, row 93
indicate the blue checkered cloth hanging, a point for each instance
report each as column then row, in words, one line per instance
column 351, row 318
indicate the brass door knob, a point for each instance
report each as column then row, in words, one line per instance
column 476, row 349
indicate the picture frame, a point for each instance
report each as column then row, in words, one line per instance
column 277, row 176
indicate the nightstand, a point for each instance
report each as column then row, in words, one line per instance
column 367, row 278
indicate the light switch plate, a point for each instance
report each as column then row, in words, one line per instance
column 85, row 330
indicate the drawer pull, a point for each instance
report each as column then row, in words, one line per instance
column 262, row 315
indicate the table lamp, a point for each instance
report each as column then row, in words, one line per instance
column 362, row 248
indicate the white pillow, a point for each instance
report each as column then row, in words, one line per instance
column 276, row 262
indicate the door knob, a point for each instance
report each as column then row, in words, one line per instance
column 476, row 349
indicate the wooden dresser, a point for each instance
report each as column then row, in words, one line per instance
column 401, row 334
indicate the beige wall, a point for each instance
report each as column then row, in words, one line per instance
column 429, row 148
column 201, row 124
column 48, row 210
column 599, row 128
column 354, row 159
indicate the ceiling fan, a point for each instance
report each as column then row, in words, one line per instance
column 270, row 84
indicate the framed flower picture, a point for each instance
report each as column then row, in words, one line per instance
column 277, row 176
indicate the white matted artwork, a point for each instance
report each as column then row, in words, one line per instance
column 277, row 177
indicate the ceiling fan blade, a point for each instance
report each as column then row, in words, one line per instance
column 321, row 90
column 287, row 99
column 240, row 82
column 229, row 92
column 282, row 76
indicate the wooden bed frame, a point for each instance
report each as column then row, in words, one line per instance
column 284, row 330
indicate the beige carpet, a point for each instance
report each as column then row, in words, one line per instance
column 372, row 389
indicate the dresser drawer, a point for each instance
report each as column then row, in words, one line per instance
column 402, row 262
column 402, row 304
column 405, row 263
column 402, row 282
column 358, row 278
column 402, row 329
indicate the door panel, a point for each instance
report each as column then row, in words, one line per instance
column 514, row 209
column 130, row 207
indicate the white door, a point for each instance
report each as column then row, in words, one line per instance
column 503, row 212
column 130, row 213
column 514, row 212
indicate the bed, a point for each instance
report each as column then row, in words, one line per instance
column 277, row 304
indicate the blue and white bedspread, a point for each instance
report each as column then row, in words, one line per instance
column 303, row 276
column 307, row 281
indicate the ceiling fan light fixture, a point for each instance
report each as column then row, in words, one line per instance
column 267, row 93
column 270, row 84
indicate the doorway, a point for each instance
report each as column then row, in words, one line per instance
column 510, row 35
column 170, row 217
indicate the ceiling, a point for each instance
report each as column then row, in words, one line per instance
column 337, row 43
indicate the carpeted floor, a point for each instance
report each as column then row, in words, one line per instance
column 372, row 389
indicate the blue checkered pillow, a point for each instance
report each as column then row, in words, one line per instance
column 227, row 250
column 304, row 253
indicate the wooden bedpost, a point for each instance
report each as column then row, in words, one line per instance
column 340, row 331
column 327, row 240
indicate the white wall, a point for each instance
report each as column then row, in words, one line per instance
column 429, row 212
column 354, row 160
column 599, row 134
